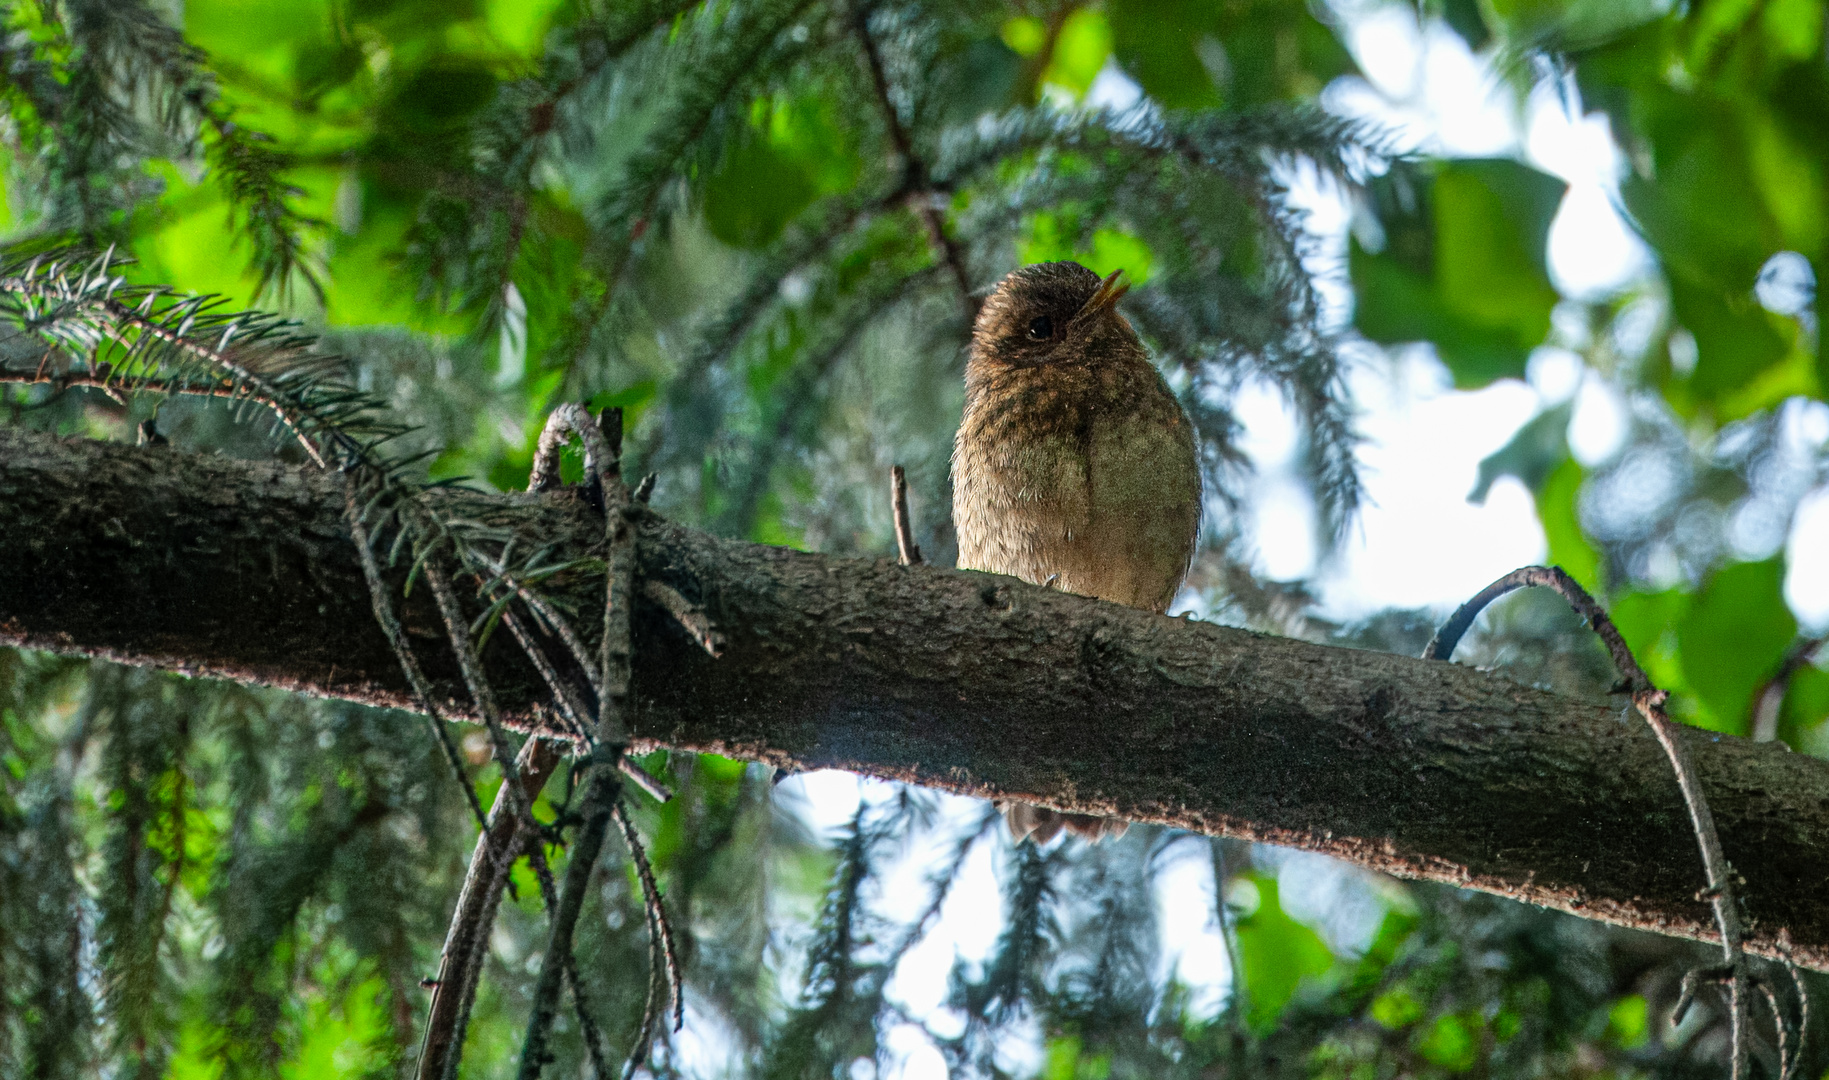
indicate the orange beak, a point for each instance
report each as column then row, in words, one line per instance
column 1109, row 292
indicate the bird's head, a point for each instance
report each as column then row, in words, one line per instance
column 1052, row 313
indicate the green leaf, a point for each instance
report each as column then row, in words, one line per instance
column 1080, row 51
column 1050, row 238
column 1735, row 341
column 1159, row 44
column 1453, row 1042
column 1462, row 264
column 1189, row 54
column 1396, row 1009
column 1556, row 511
column 1536, row 451
column 1806, row 706
column 791, row 153
column 1647, row 622
column 1732, row 638
column 1025, row 35
column 441, row 95
column 1629, row 1021
column 1277, row 953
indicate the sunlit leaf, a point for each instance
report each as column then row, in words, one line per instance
column 1732, row 637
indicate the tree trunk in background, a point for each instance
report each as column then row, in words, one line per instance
column 962, row 681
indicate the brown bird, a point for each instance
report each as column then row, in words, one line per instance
column 1074, row 465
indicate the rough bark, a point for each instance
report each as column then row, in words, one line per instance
column 969, row 682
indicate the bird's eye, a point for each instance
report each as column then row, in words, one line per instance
column 1041, row 329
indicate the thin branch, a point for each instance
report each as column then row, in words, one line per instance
column 1803, row 1010
column 568, row 420
column 553, row 618
column 466, row 940
column 1782, row 1025
column 587, row 844
column 906, row 548
column 1649, row 701
column 689, row 615
column 470, row 664
column 657, row 914
column 570, row 708
column 1228, row 934
column 575, row 711
column 1764, row 722
column 396, row 637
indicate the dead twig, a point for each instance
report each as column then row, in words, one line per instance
column 586, row 844
column 688, row 614
column 1649, row 700
column 466, row 941
column 661, row 952
column 906, row 548
column 471, row 666
column 565, row 695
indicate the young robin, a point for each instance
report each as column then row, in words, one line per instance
column 1074, row 464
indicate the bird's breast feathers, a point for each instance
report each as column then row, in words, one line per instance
column 1100, row 498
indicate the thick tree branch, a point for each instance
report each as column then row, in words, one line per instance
column 963, row 681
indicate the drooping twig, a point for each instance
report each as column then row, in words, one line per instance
column 602, row 442
column 586, row 844
column 396, row 637
column 471, row 666
column 1803, row 1010
column 1649, row 700
column 1764, row 722
column 564, row 694
column 906, row 548
column 658, row 926
column 1781, row 1024
column 1240, row 1003
column 466, row 941
column 552, row 617
column 574, row 710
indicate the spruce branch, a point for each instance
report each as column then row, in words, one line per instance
column 914, row 186
column 798, row 401
column 144, row 338
column 131, row 53
column 733, row 51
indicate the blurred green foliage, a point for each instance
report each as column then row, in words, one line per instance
column 1462, row 265
column 715, row 216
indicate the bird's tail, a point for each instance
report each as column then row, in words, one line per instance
column 1040, row 824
